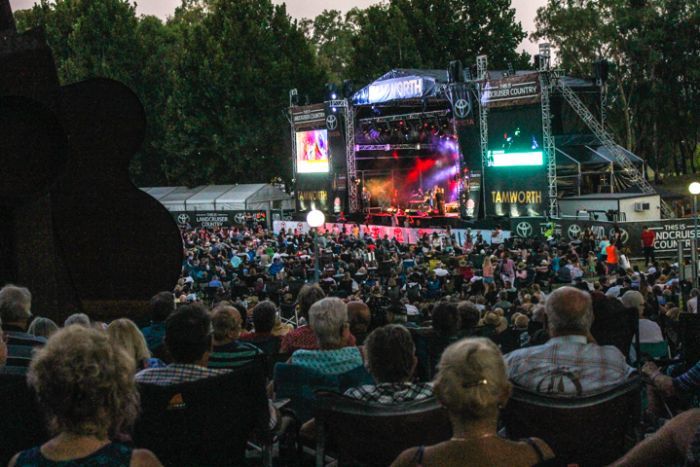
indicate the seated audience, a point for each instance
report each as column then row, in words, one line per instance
column 391, row 361
column 86, row 388
column 570, row 363
column 125, row 333
column 162, row 305
column 649, row 331
column 303, row 337
column 676, row 443
column 80, row 319
column 15, row 306
column 264, row 316
column 42, row 327
column 360, row 318
column 228, row 350
column 188, row 339
column 472, row 384
column 328, row 319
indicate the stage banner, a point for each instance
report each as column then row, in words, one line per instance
column 512, row 90
column 669, row 233
column 515, row 172
column 470, row 151
column 377, row 232
column 335, row 125
column 213, row 219
column 308, row 115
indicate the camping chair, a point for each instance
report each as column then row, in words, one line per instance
column 22, row 425
column 205, row 422
column 690, row 338
column 375, row 434
column 587, row 430
column 300, row 384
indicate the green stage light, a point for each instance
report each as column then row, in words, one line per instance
column 514, row 159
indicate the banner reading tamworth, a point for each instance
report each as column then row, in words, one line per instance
column 669, row 233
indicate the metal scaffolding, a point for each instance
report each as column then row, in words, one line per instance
column 546, row 83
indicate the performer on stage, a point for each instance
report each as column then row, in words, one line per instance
column 366, row 199
column 440, row 200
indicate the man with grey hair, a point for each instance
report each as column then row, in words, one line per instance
column 570, row 363
column 15, row 314
column 328, row 319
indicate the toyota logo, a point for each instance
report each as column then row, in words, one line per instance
column 462, row 108
column 183, row 219
column 574, row 231
column 239, row 218
column 523, row 229
column 331, row 122
column 624, row 235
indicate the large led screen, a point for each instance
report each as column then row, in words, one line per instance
column 312, row 152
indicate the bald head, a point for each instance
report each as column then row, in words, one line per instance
column 569, row 312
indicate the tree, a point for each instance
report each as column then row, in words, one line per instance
column 235, row 66
column 655, row 107
column 331, row 35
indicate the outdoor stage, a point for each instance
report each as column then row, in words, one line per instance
column 424, row 151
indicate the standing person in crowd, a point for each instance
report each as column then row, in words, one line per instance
column 86, row 388
column 570, row 363
column 612, row 258
column 472, row 385
column 15, row 314
column 647, row 240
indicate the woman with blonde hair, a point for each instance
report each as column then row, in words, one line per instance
column 487, row 270
column 125, row 333
column 85, row 386
column 472, row 385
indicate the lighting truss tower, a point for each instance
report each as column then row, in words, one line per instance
column 345, row 106
column 629, row 169
column 547, row 80
column 481, row 77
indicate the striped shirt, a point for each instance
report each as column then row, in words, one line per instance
column 20, row 348
column 232, row 355
column 567, row 365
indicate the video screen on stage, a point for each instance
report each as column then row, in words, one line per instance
column 312, row 151
column 501, row 158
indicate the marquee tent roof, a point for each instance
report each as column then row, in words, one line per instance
column 243, row 197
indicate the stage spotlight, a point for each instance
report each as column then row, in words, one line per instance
column 331, row 91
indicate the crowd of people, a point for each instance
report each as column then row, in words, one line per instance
column 462, row 323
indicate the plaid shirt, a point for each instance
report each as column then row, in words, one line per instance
column 567, row 365
column 175, row 373
column 391, row 393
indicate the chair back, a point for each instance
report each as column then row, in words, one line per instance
column 375, row 434
column 22, row 425
column 589, row 431
column 205, row 422
column 690, row 337
column 300, row 384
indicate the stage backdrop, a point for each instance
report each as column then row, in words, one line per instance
column 515, row 173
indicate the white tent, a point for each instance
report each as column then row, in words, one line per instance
column 244, row 197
